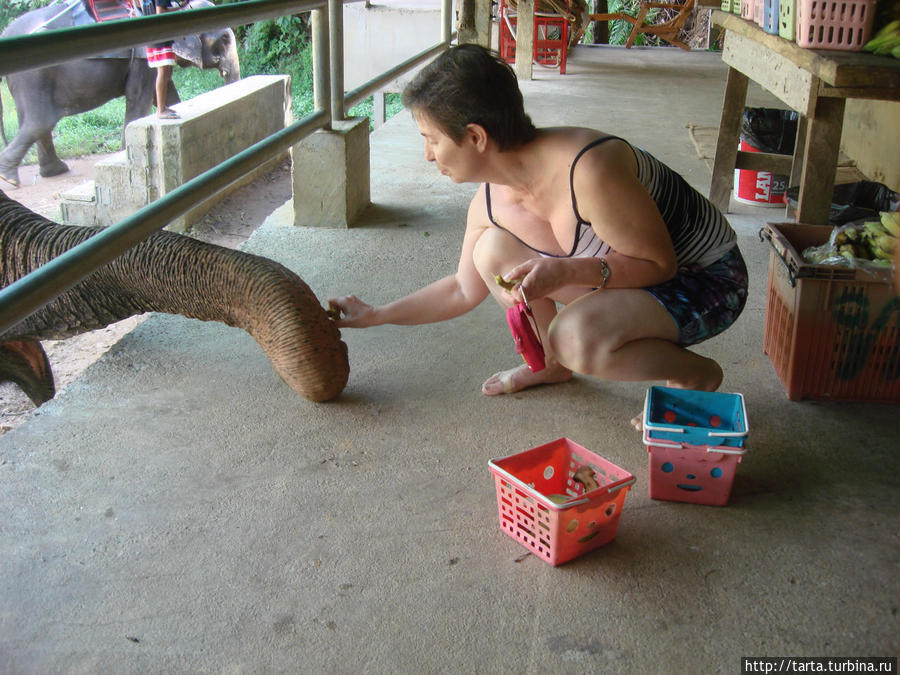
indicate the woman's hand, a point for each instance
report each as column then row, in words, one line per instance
column 354, row 313
column 540, row 278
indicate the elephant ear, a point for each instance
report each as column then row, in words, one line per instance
column 188, row 48
column 25, row 363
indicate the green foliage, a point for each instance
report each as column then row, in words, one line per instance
column 620, row 30
column 281, row 46
column 12, row 9
column 392, row 105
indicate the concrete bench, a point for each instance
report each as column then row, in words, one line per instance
column 161, row 155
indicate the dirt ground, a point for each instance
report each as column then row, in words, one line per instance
column 229, row 224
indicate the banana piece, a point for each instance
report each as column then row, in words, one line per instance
column 890, row 221
column 503, row 283
column 875, row 229
column 886, row 47
column 885, row 242
column 883, row 36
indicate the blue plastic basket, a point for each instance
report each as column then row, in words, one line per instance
column 699, row 418
column 770, row 22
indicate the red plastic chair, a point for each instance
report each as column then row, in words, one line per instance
column 109, row 10
column 551, row 34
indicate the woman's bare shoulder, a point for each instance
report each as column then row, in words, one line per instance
column 565, row 143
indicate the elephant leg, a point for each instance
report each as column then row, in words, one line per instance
column 12, row 155
column 51, row 164
column 32, row 128
column 139, row 92
column 25, row 363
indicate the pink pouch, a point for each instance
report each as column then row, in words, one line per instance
column 528, row 341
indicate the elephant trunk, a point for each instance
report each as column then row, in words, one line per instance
column 230, row 67
column 175, row 274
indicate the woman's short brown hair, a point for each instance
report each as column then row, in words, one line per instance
column 470, row 85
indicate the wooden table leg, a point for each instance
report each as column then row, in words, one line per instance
column 820, row 158
column 797, row 163
column 729, row 135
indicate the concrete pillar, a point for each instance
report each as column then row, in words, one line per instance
column 475, row 22
column 524, row 38
column 330, row 175
column 379, row 113
column 483, row 23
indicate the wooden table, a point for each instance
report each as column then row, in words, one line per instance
column 815, row 83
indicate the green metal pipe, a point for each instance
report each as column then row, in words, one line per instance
column 321, row 59
column 336, row 57
column 47, row 48
column 446, row 20
column 366, row 89
column 30, row 293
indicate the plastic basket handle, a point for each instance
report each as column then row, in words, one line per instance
column 721, row 449
column 765, row 234
column 526, row 488
column 625, row 483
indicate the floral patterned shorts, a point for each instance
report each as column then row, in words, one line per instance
column 704, row 301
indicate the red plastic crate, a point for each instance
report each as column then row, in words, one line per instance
column 834, row 24
column 559, row 532
column 551, row 37
column 830, row 332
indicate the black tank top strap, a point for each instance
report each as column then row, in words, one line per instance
column 590, row 145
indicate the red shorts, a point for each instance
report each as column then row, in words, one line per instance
column 160, row 55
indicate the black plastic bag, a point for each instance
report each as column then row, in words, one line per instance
column 864, row 199
column 770, row 130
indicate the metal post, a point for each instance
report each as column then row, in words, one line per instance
column 321, row 70
column 336, row 30
column 446, row 21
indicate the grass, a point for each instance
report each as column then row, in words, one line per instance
column 100, row 130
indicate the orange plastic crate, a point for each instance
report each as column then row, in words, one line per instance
column 554, row 532
column 830, row 332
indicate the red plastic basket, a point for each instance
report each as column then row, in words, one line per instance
column 834, row 24
column 830, row 331
column 559, row 532
column 698, row 474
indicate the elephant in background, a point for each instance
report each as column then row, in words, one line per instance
column 45, row 96
column 173, row 274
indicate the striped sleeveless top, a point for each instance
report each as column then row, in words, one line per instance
column 699, row 231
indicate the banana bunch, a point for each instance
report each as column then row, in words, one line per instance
column 886, row 41
column 882, row 235
column 874, row 241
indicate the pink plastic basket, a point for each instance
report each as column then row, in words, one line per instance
column 698, row 474
column 557, row 532
column 834, row 24
column 748, row 9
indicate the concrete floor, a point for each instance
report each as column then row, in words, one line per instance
column 179, row 509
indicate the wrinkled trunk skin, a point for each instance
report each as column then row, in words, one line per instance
column 175, row 274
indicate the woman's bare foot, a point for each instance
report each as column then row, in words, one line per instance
column 517, row 379
column 708, row 380
column 638, row 421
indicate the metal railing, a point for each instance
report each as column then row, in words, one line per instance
column 30, row 293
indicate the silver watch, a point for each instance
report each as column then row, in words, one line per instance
column 605, row 272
